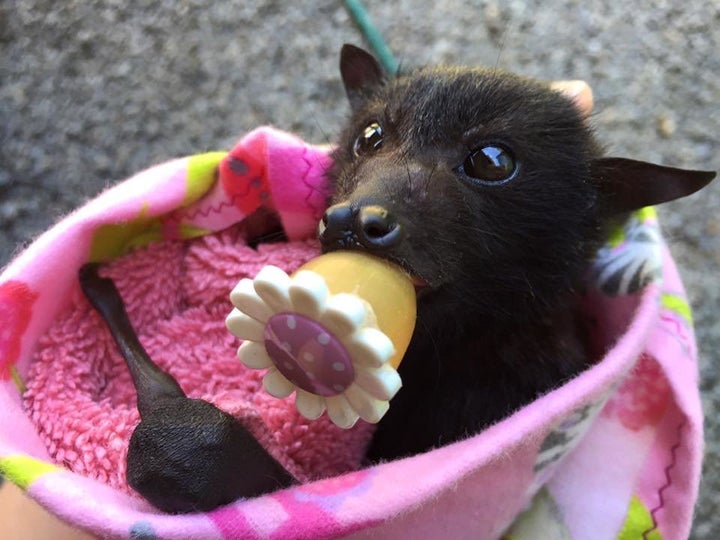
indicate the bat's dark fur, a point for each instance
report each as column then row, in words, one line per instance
column 499, row 264
column 502, row 260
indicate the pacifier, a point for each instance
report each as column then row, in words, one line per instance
column 334, row 333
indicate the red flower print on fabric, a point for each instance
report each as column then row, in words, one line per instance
column 243, row 176
column 643, row 396
column 16, row 305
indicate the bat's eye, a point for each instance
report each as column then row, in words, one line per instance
column 370, row 140
column 489, row 164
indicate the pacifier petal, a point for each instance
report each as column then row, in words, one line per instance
column 370, row 347
column 344, row 314
column 254, row 355
column 369, row 408
column 244, row 297
column 308, row 293
column 341, row 412
column 382, row 382
column 244, row 326
column 272, row 286
column 309, row 405
column 277, row 384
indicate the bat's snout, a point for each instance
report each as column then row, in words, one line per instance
column 365, row 227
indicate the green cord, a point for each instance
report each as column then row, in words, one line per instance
column 373, row 36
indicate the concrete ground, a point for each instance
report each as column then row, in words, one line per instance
column 93, row 91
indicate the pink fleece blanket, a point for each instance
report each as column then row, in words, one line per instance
column 613, row 453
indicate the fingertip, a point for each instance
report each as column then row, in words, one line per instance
column 579, row 92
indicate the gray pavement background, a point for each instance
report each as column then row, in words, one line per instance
column 91, row 92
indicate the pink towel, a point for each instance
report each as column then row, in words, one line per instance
column 177, row 298
column 613, row 453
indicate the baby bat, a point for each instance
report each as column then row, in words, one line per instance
column 492, row 192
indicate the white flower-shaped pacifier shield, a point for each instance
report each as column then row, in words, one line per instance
column 327, row 348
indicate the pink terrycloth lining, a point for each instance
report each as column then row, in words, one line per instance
column 80, row 395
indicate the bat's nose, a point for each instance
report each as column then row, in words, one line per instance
column 371, row 227
column 377, row 228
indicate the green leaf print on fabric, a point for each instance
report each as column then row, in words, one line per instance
column 115, row 239
column 638, row 522
column 202, row 174
column 678, row 305
column 23, row 470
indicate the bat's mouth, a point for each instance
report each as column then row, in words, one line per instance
column 371, row 229
column 419, row 283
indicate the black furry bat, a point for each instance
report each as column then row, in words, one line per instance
column 490, row 190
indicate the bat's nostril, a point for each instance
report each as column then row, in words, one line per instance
column 335, row 229
column 370, row 227
column 377, row 228
column 337, row 221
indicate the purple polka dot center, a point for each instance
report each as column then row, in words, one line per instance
column 308, row 355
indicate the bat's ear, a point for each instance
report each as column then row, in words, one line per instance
column 629, row 185
column 360, row 72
